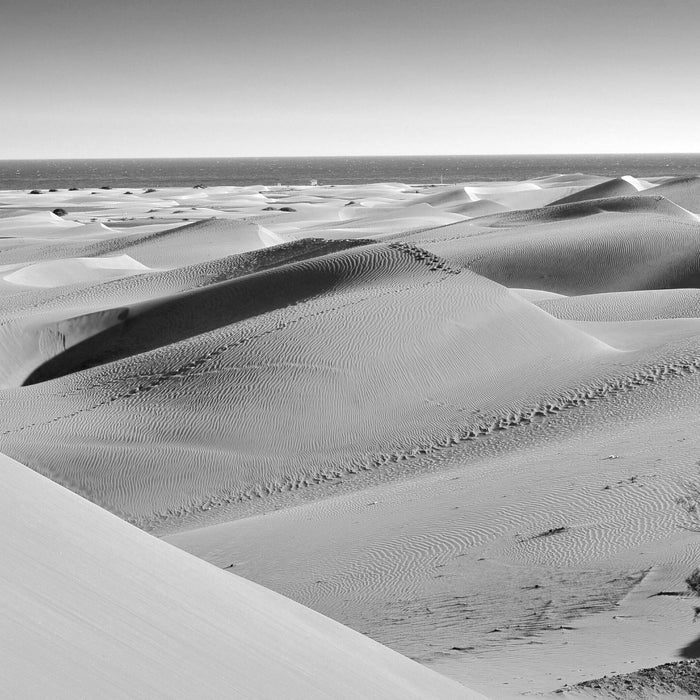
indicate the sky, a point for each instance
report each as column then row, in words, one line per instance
column 226, row 78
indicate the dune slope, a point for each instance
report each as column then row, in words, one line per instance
column 94, row 607
column 589, row 247
column 272, row 402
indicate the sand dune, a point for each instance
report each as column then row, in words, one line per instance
column 153, row 324
column 579, row 210
column 162, row 304
column 60, row 273
column 403, row 335
column 447, row 198
column 522, row 195
column 685, row 192
column 481, row 207
column 187, row 244
column 617, row 187
column 35, row 223
column 363, row 222
column 457, row 419
column 87, row 596
column 581, row 180
column 625, row 245
column 638, row 305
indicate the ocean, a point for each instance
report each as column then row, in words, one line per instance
column 173, row 172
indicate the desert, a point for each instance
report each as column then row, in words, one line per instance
column 380, row 440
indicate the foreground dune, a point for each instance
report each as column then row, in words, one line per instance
column 457, row 419
column 94, row 607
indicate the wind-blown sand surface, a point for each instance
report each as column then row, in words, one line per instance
column 457, row 419
column 96, row 608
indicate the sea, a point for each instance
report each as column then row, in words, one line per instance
column 412, row 170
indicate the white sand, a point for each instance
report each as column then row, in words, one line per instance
column 457, row 419
column 60, row 273
column 95, row 608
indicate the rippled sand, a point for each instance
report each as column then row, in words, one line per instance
column 459, row 420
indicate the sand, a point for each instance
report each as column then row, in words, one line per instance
column 94, row 607
column 456, row 419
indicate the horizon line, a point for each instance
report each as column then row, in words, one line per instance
column 366, row 155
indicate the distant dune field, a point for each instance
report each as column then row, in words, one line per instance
column 459, row 420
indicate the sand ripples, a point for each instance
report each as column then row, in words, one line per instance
column 468, row 410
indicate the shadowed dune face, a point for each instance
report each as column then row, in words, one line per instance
column 454, row 418
column 64, row 334
column 386, row 341
column 152, row 324
column 685, row 192
column 562, row 211
column 612, row 188
column 599, row 246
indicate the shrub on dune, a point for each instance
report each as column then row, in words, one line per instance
column 693, row 581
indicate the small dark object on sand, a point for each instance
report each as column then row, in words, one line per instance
column 60, row 212
column 287, row 209
column 105, row 187
column 53, row 189
column 548, row 533
column 72, row 189
column 35, row 192
column 149, row 190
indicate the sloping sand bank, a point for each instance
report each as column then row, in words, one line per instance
column 94, row 607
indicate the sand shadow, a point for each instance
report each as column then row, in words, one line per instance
column 692, row 650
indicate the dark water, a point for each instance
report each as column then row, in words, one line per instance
column 153, row 172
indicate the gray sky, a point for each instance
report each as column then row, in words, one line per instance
column 322, row 77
